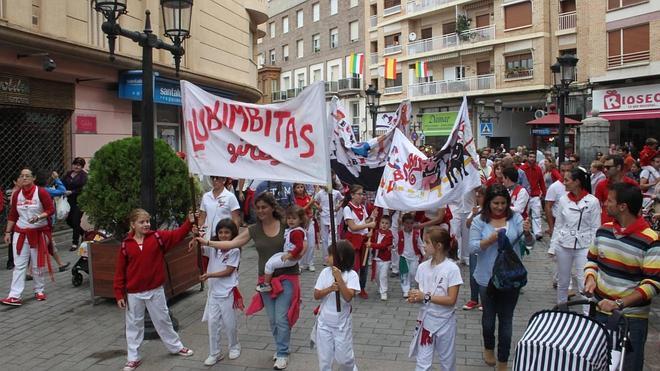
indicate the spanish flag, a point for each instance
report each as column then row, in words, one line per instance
column 422, row 69
column 390, row 68
column 356, row 63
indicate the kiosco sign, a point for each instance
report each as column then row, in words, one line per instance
column 632, row 98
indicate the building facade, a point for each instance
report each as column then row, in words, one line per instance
column 61, row 96
column 313, row 40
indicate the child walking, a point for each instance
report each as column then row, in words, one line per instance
column 382, row 245
column 304, row 200
column 322, row 199
column 410, row 247
column 334, row 330
column 223, row 295
column 138, row 284
column 295, row 238
column 439, row 279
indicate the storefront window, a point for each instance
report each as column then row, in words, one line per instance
column 168, row 123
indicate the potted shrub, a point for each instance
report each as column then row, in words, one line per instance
column 463, row 24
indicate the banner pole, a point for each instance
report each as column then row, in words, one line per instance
column 193, row 197
column 331, row 206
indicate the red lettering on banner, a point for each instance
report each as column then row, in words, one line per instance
column 193, row 129
column 212, row 115
column 280, row 116
column 245, row 149
column 307, row 128
column 291, row 137
column 253, row 114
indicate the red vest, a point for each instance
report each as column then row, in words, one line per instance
column 415, row 238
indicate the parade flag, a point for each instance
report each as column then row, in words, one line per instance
column 356, row 63
column 390, row 68
column 403, row 118
column 412, row 181
column 422, row 69
column 278, row 142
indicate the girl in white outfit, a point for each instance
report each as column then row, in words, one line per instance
column 576, row 223
column 334, row 330
column 223, row 295
column 439, row 279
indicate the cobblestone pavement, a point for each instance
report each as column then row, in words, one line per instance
column 68, row 332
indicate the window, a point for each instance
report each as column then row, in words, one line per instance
column 396, row 82
column 300, row 80
column 616, row 4
column 566, row 6
column 285, row 24
column 355, row 122
column 391, row 3
column 519, row 65
column 334, row 38
column 316, row 43
column 353, row 3
column 300, row 18
column 392, row 40
column 316, row 12
column 36, row 12
column 427, row 33
column 483, row 68
column 300, row 47
column 272, row 56
column 286, row 83
column 271, row 26
column 316, row 75
column 261, row 60
column 274, row 85
column 628, row 45
column 355, row 31
column 518, row 15
column 285, row 52
column 334, row 73
column 333, row 7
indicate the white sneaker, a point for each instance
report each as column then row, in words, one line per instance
column 405, row 295
column 312, row 268
column 234, row 353
column 383, row 297
column 275, row 357
column 211, row 360
column 281, row 363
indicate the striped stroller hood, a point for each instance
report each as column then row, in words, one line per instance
column 557, row 341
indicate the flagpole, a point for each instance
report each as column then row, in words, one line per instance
column 331, row 206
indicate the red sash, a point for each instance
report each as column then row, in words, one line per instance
column 358, row 241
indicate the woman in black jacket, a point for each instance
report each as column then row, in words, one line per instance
column 74, row 181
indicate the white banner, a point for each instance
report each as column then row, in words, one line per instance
column 278, row 142
column 413, row 182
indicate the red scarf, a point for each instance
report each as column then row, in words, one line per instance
column 635, row 227
column 357, row 210
column 28, row 192
column 576, row 199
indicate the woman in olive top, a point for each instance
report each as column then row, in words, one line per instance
column 283, row 302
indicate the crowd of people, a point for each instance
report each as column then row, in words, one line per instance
column 598, row 229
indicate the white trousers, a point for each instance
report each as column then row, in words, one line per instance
column 443, row 346
column 155, row 303
column 407, row 279
column 461, row 232
column 534, row 212
column 395, row 251
column 335, row 344
column 275, row 262
column 222, row 317
column 567, row 261
column 382, row 274
column 308, row 259
column 28, row 255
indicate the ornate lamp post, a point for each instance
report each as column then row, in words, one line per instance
column 497, row 107
column 373, row 103
column 563, row 73
column 176, row 19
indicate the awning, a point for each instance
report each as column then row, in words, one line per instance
column 552, row 119
column 631, row 115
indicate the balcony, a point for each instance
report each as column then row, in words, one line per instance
column 278, row 96
column 519, row 73
column 622, row 60
column 331, row 87
column 452, row 40
column 393, row 90
column 349, row 84
column 392, row 49
column 567, row 21
column 373, row 21
column 422, row 5
column 469, row 84
column 392, row 10
column 373, row 57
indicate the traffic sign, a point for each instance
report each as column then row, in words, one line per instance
column 486, row 129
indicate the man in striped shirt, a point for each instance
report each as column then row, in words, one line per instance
column 623, row 267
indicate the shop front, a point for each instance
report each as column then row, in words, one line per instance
column 436, row 127
column 544, row 132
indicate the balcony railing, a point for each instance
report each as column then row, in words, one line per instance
column 567, row 21
column 620, row 60
column 392, row 10
column 392, row 49
column 374, row 57
column 452, row 40
column 331, row 87
column 351, row 83
column 482, row 82
column 373, row 20
column 519, row 73
column 278, row 96
column 393, row 90
column 422, row 5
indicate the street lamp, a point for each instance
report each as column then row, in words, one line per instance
column 497, row 107
column 373, row 103
column 176, row 20
column 563, row 73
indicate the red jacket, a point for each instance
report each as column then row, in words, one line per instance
column 601, row 195
column 142, row 270
column 415, row 238
column 535, row 177
column 384, row 248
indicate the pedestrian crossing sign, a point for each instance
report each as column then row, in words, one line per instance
column 486, row 129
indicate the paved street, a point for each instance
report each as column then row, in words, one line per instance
column 67, row 332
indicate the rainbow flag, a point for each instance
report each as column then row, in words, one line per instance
column 390, row 68
column 422, row 69
column 356, row 63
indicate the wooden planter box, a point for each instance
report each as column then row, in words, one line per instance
column 181, row 272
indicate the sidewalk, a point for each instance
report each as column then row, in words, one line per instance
column 67, row 332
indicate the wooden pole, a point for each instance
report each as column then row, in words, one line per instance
column 193, row 199
column 331, row 206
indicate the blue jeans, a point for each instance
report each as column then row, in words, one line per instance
column 474, row 286
column 277, row 310
column 501, row 306
column 638, row 329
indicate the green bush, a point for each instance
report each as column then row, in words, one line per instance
column 113, row 186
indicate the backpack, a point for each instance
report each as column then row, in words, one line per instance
column 509, row 273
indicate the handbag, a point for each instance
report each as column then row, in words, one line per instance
column 62, row 207
column 509, row 273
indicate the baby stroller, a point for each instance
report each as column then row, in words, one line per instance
column 561, row 340
column 82, row 263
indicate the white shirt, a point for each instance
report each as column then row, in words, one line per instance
column 328, row 314
column 554, row 193
column 595, row 179
column 220, row 260
column 651, row 174
column 216, row 209
column 322, row 198
column 408, row 249
column 519, row 201
column 437, row 280
column 576, row 224
column 28, row 209
column 350, row 215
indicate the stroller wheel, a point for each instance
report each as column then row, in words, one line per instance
column 76, row 279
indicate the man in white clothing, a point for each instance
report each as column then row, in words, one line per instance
column 218, row 204
column 519, row 195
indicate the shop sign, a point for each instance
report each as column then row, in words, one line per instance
column 640, row 97
column 14, row 90
column 438, row 123
column 85, row 124
column 546, row 131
